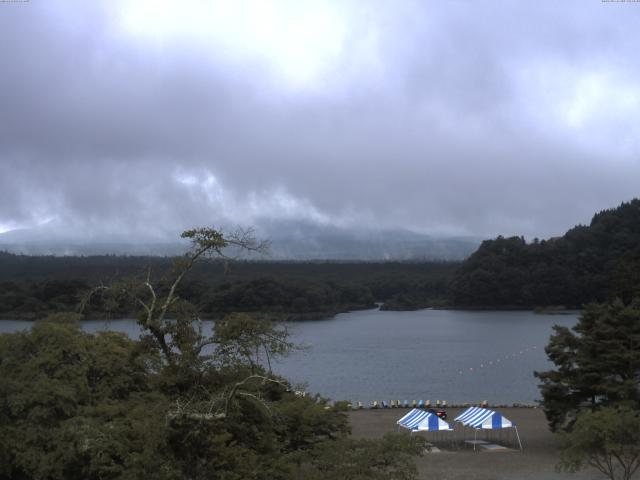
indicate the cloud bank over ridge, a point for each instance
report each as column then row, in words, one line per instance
column 139, row 119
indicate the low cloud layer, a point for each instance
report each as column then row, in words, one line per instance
column 140, row 119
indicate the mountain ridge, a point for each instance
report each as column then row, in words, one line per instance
column 298, row 241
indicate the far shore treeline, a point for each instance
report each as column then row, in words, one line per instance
column 589, row 263
column 31, row 287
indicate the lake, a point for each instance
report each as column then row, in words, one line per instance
column 458, row 356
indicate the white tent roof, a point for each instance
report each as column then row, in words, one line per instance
column 421, row 420
column 483, row 418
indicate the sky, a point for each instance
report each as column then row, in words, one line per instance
column 450, row 117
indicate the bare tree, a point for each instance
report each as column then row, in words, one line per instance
column 176, row 336
column 239, row 342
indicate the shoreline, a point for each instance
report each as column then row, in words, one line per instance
column 290, row 317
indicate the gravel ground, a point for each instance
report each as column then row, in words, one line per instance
column 536, row 461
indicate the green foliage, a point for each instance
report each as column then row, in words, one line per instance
column 32, row 287
column 206, row 238
column 607, row 439
column 74, row 405
column 597, row 363
column 80, row 406
column 587, row 264
column 298, row 299
column 177, row 404
column 35, row 299
column 625, row 278
column 363, row 459
column 305, row 422
column 249, row 340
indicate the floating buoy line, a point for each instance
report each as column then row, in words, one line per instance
column 496, row 362
column 482, row 366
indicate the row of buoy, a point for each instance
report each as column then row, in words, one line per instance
column 497, row 361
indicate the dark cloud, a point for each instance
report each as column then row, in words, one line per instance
column 441, row 117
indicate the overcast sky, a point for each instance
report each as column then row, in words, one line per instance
column 446, row 117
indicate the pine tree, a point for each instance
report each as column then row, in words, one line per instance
column 597, row 363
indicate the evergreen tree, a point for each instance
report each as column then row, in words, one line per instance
column 593, row 263
column 597, row 363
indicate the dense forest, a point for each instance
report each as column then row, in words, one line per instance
column 31, row 286
column 589, row 263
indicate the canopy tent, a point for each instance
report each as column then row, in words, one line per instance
column 480, row 418
column 422, row 421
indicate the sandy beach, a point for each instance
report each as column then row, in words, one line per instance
column 537, row 460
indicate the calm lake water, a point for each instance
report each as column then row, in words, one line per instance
column 458, row 356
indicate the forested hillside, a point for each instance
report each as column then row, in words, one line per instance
column 587, row 264
column 31, row 287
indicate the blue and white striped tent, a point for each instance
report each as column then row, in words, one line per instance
column 422, row 421
column 480, row 418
